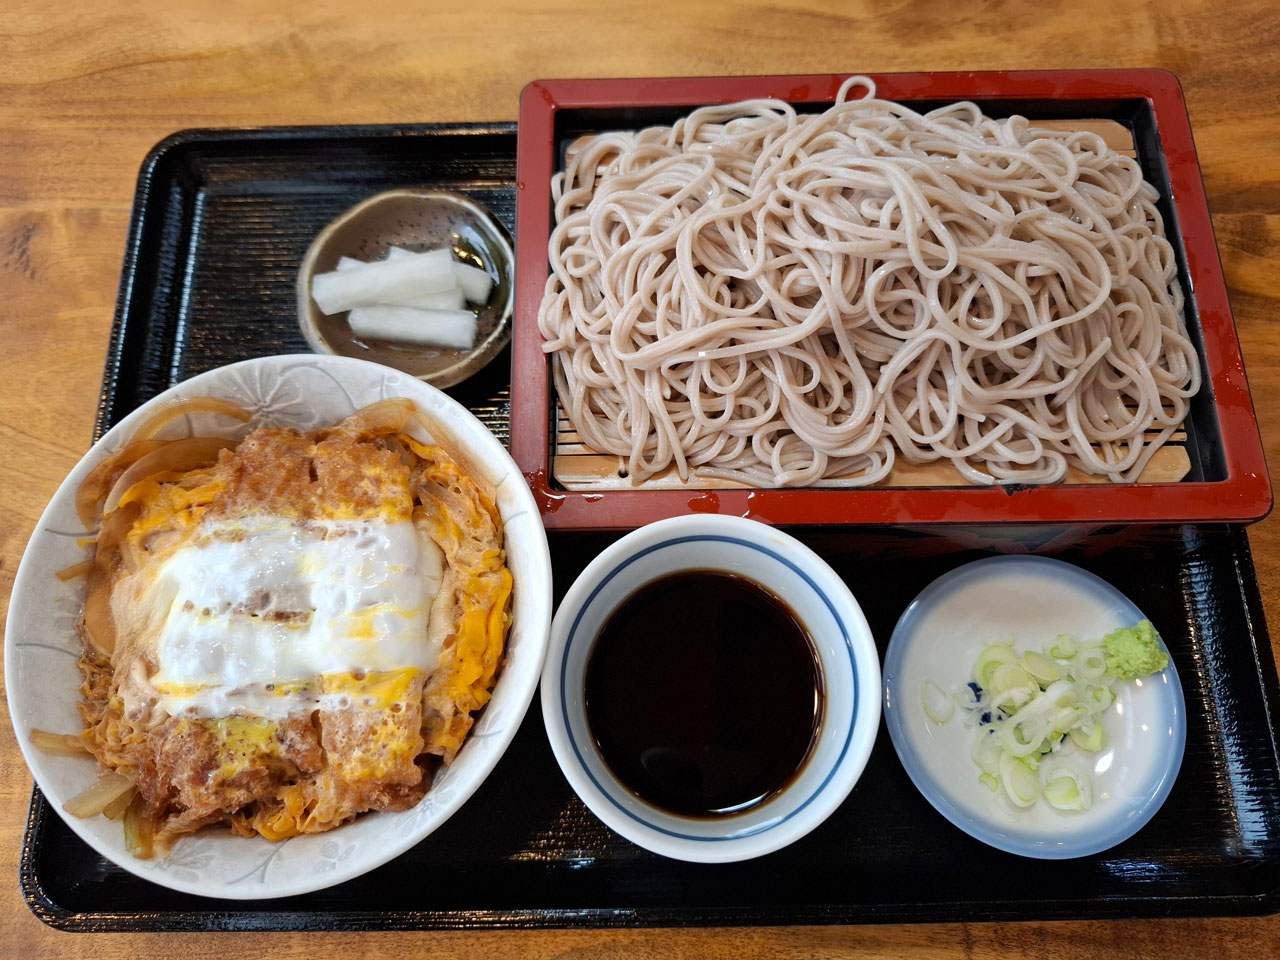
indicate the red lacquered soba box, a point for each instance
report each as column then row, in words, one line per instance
column 1226, row 479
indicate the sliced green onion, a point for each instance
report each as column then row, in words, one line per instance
column 1092, row 698
column 1024, row 732
column 1061, row 693
column 1069, row 791
column 1064, row 647
column 1043, row 670
column 1062, row 793
column 938, row 704
column 1021, row 786
column 989, row 659
column 1014, row 699
column 987, row 751
column 1091, row 738
column 1032, row 712
column 1091, row 663
column 1065, row 719
column 1008, row 676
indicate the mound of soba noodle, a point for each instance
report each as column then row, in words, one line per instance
column 788, row 299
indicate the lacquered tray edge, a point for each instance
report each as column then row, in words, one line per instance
column 58, row 917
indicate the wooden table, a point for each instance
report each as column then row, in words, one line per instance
column 87, row 88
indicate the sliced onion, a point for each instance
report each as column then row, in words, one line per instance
column 99, row 625
column 396, row 446
column 139, row 830
column 379, row 419
column 95, row 487
column 180, row 408
column 75, row 570
column 109, row 551
column 179, row 455
column 91, row 802
column 117, row 807
column 62, row 744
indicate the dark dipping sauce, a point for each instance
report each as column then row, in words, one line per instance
column 703, row 694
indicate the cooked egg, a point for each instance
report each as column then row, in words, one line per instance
column 264, row 616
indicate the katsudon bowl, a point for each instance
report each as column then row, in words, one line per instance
column 42, row 644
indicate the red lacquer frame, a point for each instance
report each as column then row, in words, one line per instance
column 1242, row 497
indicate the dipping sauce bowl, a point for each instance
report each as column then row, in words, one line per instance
column 702, row 687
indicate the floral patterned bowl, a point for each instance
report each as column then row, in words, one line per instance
column 41, row 645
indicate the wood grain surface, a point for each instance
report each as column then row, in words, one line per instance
column 87, row 88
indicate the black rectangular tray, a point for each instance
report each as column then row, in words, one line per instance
column 220, row 223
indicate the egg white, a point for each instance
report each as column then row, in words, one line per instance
column 246, row 615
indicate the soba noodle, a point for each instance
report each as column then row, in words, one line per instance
column 787, row 299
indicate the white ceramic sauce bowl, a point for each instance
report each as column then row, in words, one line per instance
column 823, row 603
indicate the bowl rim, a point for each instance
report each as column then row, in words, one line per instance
column 1115, row 829
column 534, row 628
column 802, row 816
column 467, row 364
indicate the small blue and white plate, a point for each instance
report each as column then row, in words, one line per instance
column 1028, row 600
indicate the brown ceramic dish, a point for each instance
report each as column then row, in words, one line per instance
column 416, row 220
